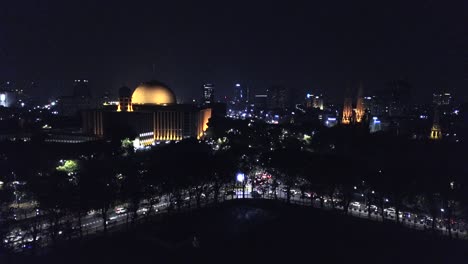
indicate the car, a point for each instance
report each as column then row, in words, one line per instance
column 120, row 210
column 390, row 211
column 143, row 210
column 92, row 212
column 355, row 204
column 255, row 194
column 230, row 193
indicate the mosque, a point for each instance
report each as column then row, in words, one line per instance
column 150, row 113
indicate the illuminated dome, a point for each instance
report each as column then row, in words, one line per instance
column 153, row 92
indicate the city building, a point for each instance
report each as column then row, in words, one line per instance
column 394, row 100
column 442, row 98
column 80, row 99
column 375, row 125
column 241, row 95
column 240, row 102
column 208, row 93
column 278, row 97
column 7, row 98
column 150, row 113
column 314, row 101
column 260, row 102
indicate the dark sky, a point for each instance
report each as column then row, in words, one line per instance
column 305, row 45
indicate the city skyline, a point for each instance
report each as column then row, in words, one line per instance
column 319, row 48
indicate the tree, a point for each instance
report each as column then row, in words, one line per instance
column 53, row 191
column 287, row 165
column 100, row 181
column 224, row 168
column 6, row 197
column 132, row 186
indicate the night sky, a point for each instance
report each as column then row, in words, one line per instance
column 318, row 46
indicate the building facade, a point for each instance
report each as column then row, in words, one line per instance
column 150, row 114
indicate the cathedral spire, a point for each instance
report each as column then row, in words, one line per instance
column 360, row 105
column 347, row 108
column 436, row 132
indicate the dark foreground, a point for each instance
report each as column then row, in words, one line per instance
column 260, row 232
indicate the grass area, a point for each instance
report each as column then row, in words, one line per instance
column 260, row 231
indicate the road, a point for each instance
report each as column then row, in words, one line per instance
column 19, row 239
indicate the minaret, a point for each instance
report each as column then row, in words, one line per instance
column 436, row 132
column 360, row 111
column 347, row 109
column 125, row 100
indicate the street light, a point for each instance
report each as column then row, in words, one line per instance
column 240, row 177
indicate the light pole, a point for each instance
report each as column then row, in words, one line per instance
column 442, row 211
column 241, row 179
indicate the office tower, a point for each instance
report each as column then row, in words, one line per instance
column 79, row 100
column 81, row 89
column 314, row 101
column 208, row 93
column 260, row 102
column 278, row 97
column 442, row 98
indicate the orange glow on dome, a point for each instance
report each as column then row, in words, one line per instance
column 148, row 93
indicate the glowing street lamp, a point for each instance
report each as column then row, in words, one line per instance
column 240, row 177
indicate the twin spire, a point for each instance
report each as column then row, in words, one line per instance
column 357, row 115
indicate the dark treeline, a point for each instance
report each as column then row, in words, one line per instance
column 328, row 164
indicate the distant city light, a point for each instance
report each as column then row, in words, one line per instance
column 237, row 84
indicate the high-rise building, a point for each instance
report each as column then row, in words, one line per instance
column 314, row 101
column 394, row 100
column 208, row 93
column 278, row 97
column 241, row 99
column 81, row 89
column 260, row 102
column 80, row 100
column 7, row 98
column 375, row 125
column 241, row 93
column 442, row 98
column 436, row 131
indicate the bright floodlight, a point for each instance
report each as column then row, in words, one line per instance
column 237, row 84
column 240, row 177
